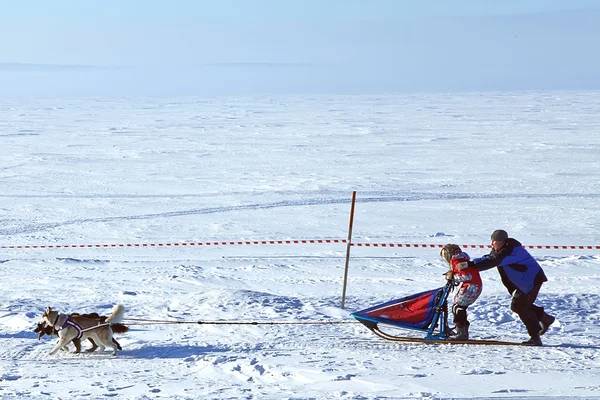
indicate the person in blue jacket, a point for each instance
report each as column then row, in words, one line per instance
column 523, row 277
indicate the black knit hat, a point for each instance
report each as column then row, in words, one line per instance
column 499, row 235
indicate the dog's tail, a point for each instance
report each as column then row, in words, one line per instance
column 118, row 313
column 119, row 328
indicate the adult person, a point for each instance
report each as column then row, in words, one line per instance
column 523, row 277
column 469, row 287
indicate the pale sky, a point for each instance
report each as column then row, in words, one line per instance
column 199, row 47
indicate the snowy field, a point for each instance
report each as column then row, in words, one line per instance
column 429, row 169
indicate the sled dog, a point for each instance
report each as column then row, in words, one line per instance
column 76, row 326
column 42, row 329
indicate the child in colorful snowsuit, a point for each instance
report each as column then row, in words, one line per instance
column 469, row 285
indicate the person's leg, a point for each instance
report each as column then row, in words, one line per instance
column 461, row 323
column 539, row 311
column 522, row 304
column 460, row 315
column 545, row 321
column 543, row 317
column 466, row 295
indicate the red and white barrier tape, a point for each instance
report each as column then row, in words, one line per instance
column 475, row 246
column 283, row 242
column 174, row 244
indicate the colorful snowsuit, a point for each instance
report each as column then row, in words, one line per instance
column 469, row 287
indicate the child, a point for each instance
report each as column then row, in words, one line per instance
column 469, row 287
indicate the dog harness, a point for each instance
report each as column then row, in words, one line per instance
column 70, row 322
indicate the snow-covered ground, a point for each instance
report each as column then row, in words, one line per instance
column 428, row 169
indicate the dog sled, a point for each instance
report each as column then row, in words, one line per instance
column 425, row 312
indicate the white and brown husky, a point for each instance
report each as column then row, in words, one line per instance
column 73, row 327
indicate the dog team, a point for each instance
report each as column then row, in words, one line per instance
column 73, row 328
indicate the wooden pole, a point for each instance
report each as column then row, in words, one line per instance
column 348, row 248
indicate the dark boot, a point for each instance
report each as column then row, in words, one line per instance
column 462, row 333
column 545, row 323
column 462, row 325
column 534, row 341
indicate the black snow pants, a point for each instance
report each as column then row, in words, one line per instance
column 529, row 313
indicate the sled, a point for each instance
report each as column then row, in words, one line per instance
column 425, row 312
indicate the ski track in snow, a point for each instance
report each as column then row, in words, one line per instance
column 383, row 198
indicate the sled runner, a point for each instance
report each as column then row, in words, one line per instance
column 425, row 312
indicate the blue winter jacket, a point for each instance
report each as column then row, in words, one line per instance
column 517, row 268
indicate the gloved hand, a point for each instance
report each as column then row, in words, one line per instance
column 449, row 275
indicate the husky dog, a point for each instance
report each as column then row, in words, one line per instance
column 76, row 326
column 43, row 329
